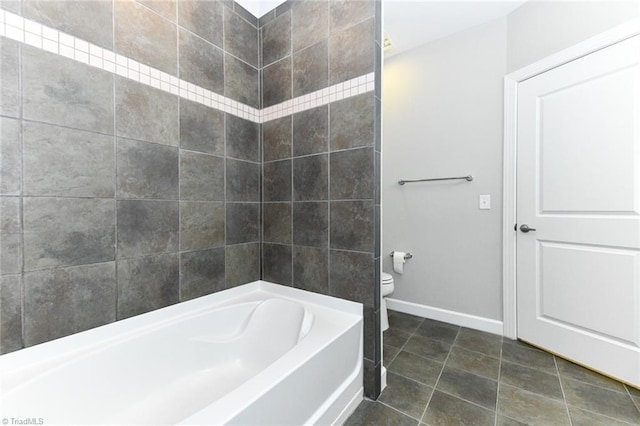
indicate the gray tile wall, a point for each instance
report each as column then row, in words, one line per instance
column 117, row 198
column 321, row 167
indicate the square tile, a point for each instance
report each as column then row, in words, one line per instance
column 243, row 180
column 242, row 138
column 10, row 161
column 147, row 283
column 438, row 330
column 528, row 356
column 58, row 161
column 396, row 338
column 603, row 401
column 311, row 224
column 63, row 301
column 242, row 222
column 310, row 69
column 310, row 23
column 147, row 227
column 204, row 18
column 432, row 349
column 67, row 231
column 372, row 412
column 445, row 409
column 311, row 131
column 276, row 138
column 530, row 408
column 588, row 418
column 240, row 37
column 144, row 36
column 351, row 276
column 405, row 322
column 201, row 63
column 89, row 20
column 352, row 174
column 352, row 122
column 573, row 371
column 201, row 177
column 351, row 225
column 165, row 8
column 276, row 39
column 344, row 13
column 146, row 114
column 531, row 380
column 311, row 269
column 416, row 368
column 405, row 395
column 201, row 128
column 11, row 313
column 474, row 362
column 389, row 354
column 10, row 84
column 147, row 170
column 70, row 94
column 242, row 264
column 202, row 272
column 276, row 223
column 276, row 82
column 351, row 52
column 277, row 181
column 310, row 178
column 479, row 341
column 476, row 389
column 277, row 263
column 202, row 225
column 10, row 235
column 241, row 82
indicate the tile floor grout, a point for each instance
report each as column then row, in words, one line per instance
column 476, row 360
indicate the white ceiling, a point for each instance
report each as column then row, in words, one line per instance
column 259, row 7
column 412, row 23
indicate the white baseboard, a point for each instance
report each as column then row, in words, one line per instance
column 452, row 317
column 383, row 378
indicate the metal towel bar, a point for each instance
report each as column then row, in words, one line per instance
column 468, row 178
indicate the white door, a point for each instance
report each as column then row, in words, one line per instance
column 578, row 186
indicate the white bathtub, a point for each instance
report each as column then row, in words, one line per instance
column 259, row 354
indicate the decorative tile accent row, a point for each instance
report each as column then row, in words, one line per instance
column 42, row 37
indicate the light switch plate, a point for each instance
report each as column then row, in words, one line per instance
column 484, row 202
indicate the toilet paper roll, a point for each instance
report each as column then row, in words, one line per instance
column 398, row 261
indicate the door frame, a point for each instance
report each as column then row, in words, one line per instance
column 509, row 176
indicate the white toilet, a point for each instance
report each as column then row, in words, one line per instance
column 386, row 288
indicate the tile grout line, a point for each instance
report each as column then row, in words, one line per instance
column 498, row 385
column 435, row 385
column 564, row 396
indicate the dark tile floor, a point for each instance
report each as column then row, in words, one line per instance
column 442, row 374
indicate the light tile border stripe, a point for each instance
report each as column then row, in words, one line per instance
column 31, row 33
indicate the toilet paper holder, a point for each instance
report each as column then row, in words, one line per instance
column 406, row 256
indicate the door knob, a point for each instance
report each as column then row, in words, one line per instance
column 525, row 228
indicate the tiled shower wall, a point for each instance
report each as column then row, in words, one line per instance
column 118, row 198
column 321, row 166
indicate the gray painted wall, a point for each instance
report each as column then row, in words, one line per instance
column 443, row 117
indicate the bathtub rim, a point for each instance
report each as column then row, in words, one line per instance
column 64, row 348
column 38, row 358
